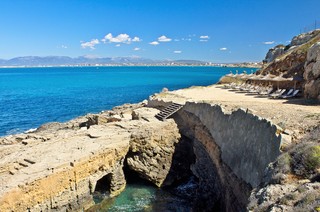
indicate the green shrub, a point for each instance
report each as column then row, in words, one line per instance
column 302, row 189
column 312, row 160
column 305, row 159
column 284, row 163
column 308, row 199
column 287, row 198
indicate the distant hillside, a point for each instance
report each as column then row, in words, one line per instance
column 87, row 60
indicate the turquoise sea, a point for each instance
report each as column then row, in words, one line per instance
column 30, row 97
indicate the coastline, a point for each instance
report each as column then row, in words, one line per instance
column 235, row 65
column 130, row 130
column 209, row 94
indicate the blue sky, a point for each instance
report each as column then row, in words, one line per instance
column 209, row 30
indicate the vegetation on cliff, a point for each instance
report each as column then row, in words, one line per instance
column 292, row 182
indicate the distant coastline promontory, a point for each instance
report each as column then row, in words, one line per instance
column 64, row 61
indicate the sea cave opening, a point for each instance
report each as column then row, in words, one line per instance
column 102, row 188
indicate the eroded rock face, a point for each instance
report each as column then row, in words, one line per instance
column 300, row 196
column 299, row 61
column 247, row 142
column 303, row 38
column 312, row 72
column 273, row 53
column 151, row 150
column 290, row 65
column 232, row 152
column 57, row 167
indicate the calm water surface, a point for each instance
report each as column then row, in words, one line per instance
column 30, row 97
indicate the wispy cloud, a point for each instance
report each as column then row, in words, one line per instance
column 90, row 44
column 154, row 43
column 203, row 40
column 118, row 45
column 62, row 47
column 177, row 52
column 223, row 49
column 177, row 40
column 164, row 38
column 269, row 42
column 121, row 38
column 204, row 37
column 136, row 49
column 136, row 39
column 186, row 39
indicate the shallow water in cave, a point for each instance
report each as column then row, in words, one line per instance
column 142, row 196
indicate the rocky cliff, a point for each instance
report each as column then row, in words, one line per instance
column 232, row 151
column 61, row 165
column 273, row 53
column 292, row 181
column 312, row 72
column 298, row 60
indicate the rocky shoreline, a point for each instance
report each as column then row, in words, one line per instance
column 246, row 153
column 58, row 166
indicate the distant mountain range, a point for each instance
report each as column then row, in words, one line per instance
column 88, row 60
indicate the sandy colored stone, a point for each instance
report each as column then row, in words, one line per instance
column 293, row 114
column 57, row 168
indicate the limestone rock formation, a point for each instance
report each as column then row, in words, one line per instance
column 312, row 72
column 300, row 196
column 292, row 182
column 289, row 60
column 231, row 152
column 151, row 150
column 303, row 38
column 273, row 53
column 299, row 60
column 59, row 166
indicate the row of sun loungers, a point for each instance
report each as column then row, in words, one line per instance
column 264, row 91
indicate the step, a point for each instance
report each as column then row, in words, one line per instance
column 168, row 111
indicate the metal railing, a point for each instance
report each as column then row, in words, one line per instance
column 313, row 26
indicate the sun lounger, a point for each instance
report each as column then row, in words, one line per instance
column 277, row 93
column 287, row 94
column 229, row 85
column 294, row 94
column 247, row 87
column 255, row 89
column 240, row 86
column 234, row 85
column 266, row 91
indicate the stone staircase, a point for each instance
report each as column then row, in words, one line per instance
column 168, row 111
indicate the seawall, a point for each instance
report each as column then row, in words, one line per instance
column 232, row 151
column 247, row 142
